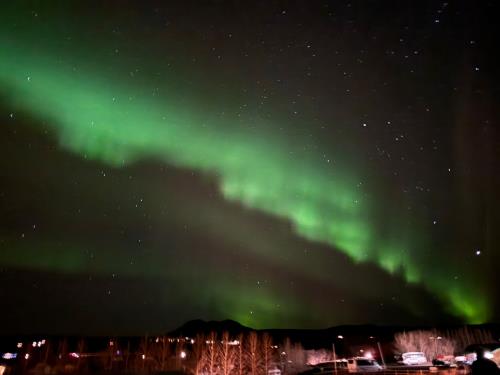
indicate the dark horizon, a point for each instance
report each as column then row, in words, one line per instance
column 301, row 165
column 309, row 338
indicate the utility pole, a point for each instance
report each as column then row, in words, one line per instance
column 381, row 354
column 334, row 358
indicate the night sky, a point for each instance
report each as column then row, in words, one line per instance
column 294, row 164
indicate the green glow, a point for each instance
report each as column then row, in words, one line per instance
column 50, row 256
column 102, row 120
column 258, row 308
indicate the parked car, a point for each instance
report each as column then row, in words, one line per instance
column 441, row 362
column 459, row 359
column 327, row 367
column 361, row 364
column 414, row 359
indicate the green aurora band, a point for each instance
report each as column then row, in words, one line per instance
column 101, row 120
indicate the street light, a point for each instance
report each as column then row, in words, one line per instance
column 435, row 344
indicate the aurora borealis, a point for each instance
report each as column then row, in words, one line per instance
column 170, row 159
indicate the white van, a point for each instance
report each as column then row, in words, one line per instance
column 414, row 359
column 361, row 364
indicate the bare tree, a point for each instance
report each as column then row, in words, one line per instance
column 240, row 354
column 267, row 351
column 318, row 356
column 294, row 357
column 252, row 353
column 431, row 343
column 211, row 353
column 179, row 358
column 466, row 336
column 228, row 355
column 198, row 355
column 160, row 353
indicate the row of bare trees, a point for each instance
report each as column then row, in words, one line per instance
column 434, row 343
column 251, row 354
column 216, row 354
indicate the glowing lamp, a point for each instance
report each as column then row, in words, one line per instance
column 488, row 355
